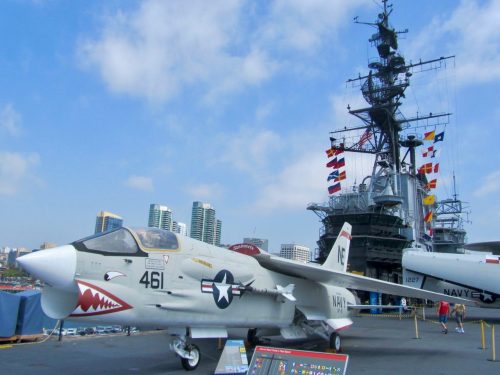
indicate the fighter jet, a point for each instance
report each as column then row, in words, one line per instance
column 153, row 277
column 472, row 276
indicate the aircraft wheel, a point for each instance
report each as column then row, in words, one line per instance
column 191, row 364
column 335, row 342
column 252, row 337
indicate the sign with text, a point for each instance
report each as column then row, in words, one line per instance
column 233, row 360
column 280, row 361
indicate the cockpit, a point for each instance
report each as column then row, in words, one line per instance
column 156, row 239
column 128, row 241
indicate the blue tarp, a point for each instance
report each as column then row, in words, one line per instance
column 9, row 308
column 30, row 318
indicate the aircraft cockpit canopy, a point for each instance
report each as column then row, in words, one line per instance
column 159, row 239
column 118, row 241
column 122, row 241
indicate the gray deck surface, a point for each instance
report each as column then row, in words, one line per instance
column 375, row 345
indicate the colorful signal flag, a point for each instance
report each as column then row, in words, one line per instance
column 428, row 200
column 431, row 184
column 429, row 136
column 334, row 188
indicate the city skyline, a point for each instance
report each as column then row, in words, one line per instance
column 114, row 105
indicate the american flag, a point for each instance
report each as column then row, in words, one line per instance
column 365, row 137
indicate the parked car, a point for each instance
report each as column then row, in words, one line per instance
column 100, row 330
column 71, row 332
column 89, row 331
column 116, row 329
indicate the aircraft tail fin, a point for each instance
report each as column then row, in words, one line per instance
column 337, row 259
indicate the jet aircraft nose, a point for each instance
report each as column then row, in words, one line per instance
column 56, row 267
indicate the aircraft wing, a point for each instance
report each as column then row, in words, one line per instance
column 347, row 280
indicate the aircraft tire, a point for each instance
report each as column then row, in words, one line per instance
column 335, row 342
column 191, row 364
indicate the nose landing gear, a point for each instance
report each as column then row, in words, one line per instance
column 189, row 353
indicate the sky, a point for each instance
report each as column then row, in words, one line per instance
column 119, row 104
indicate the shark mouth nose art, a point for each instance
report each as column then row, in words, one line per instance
column 93, row 300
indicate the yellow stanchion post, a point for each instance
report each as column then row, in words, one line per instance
column 483, row 338
column 416, row 327
column 493, row 353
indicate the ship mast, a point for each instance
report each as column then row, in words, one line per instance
column 383, row 88
column 386, row 213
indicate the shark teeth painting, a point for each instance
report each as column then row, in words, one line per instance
column 93, row 300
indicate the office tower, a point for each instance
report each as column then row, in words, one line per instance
column 180, row 228
column 218, row 233
column 204, row 226
column 106, row 221
column 295, row 252
column 259, row 242
column 160, row 216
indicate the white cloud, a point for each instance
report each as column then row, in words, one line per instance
column 490, row 184
column 140, row 183
column 301, row 182
column 163, row 47
column 302, row 25
column 15, row 171
column 205, row 191
column 472, row 34
column 10, row 120
column 249, row 151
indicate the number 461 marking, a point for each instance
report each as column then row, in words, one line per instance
column 152, row 279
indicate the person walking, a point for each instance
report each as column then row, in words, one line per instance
column 459, row 312
column 403, row 305
column 443, row 311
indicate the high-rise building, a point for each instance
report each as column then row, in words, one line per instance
column 204, row 226
column 218, row 232
column 106, row 221
column 259, row 242
column 178, row 227
column 295, row 252
column 160, row 216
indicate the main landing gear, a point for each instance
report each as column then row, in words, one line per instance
column 335, row 342
column 189, row 353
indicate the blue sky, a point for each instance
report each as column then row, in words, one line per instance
column 115, row 105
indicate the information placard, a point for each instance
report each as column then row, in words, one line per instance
column 280, row 361
column 233, row 360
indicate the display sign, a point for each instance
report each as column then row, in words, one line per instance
column 280, row 361
column 233, row 360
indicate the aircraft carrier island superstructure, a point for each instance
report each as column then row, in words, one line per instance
column 386, row 209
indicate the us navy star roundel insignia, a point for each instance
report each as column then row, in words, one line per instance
column 222, row 287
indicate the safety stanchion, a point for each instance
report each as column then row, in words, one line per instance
column 493, row 352
column 416, row 326
column 483, row 338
